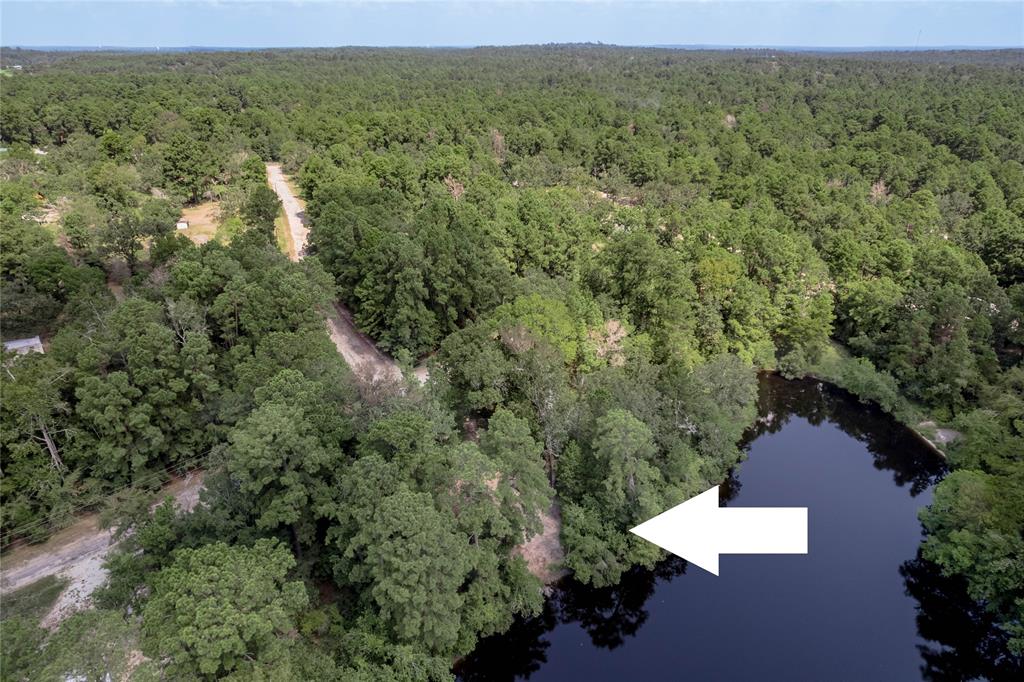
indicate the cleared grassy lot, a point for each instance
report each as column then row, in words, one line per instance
column 34, row 601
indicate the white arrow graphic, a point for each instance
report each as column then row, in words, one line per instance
column 698, row 530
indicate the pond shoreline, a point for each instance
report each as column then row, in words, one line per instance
column 808, row 453
column 555, row 573
column 915, row 429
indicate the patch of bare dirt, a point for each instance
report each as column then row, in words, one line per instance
column 52, row 212
column 421, row 373
column 84, row 576
column 543, row 552
column 879, row 192
column 185, row 491
column 135, row 659
column 203, row 221
column 607, row 341
column 455, row 188
column 617, row 200
column 937, row 436
column 116, row 289
column 48, row 213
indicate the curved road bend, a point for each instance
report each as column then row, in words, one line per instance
column 366, row 360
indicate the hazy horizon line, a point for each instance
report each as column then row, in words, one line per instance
column 469, row 46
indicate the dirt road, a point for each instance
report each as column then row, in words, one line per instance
column 366, row 360
column 294, row 209
column 77, row 553
column 75, row 544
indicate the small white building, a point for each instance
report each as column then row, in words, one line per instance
column 182, row 225
column 24, row 346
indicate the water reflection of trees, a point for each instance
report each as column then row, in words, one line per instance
column 515, row 655
column 608, row 615
column 894, row 447
column 611, row 614
column 964, row 642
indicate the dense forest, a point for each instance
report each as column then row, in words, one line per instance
column 594, row 250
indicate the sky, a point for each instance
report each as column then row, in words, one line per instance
column 310, row 23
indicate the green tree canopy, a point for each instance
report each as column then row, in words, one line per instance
column 218, row 608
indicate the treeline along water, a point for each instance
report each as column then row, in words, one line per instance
column 860, row 606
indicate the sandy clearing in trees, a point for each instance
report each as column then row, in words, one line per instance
column 203, row 221
column 543, row 552
column 943, row 436
column 936, row 436
column 421, row 373
column 77, row 553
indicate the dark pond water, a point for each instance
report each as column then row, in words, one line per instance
column 860, row 606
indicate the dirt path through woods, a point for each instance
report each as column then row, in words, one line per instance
column 364, row 358
column 77, row 553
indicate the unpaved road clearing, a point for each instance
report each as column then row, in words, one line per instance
column 77, row 553
column 366, row 360
column 543, row 552
column 294, row 209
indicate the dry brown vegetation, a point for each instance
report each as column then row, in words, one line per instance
column 607, row 341
column 203, row 221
